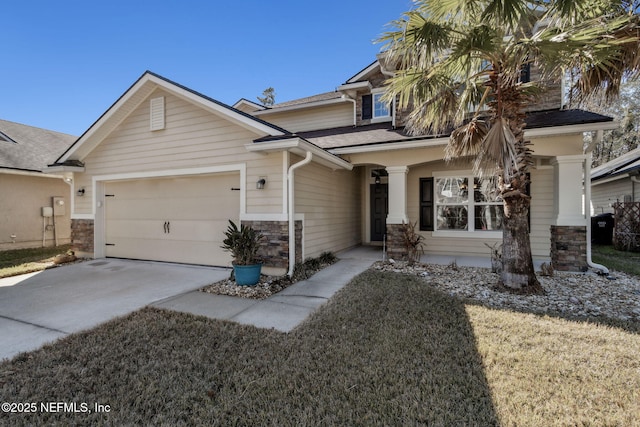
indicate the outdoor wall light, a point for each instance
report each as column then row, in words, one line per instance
column 80, row 192
column 377, row 180
column 260, row 183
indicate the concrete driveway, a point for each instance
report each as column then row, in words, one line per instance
column 39, row 308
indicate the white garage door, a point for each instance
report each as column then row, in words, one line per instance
column 179, row 219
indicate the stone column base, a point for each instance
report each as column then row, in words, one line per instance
column 395, row 243
column 82, row 236
column 274, row 250
column 569, row 248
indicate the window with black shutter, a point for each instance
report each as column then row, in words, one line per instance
column 525, row 73
column 426, row 204
column 367, row 107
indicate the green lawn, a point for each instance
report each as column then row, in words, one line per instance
column 21, row 261
column 386, row 350
column 627, row 262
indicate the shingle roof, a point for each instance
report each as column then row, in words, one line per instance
column 309, row 99
column 627, row 163
column 30, row 148
column 350, row 136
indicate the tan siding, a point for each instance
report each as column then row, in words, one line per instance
column 605, row 195
column 475, row 246
column 325, row 117
column 541, row 211
column 20, row 211
column 331, row 204
column 192, row 138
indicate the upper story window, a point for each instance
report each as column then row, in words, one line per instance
column 380, row 108
column 374, row 107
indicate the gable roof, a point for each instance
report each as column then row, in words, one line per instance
column 137, row 93
column 28, row 148
column 628, row 163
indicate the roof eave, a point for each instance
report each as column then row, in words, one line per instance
column 300, row 147
column 300, row 106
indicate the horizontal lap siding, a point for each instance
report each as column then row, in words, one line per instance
column 603, row 196
column 326, row 117
column 192, row 138
column 542, row 189
column 331, row 204
column 541, row 215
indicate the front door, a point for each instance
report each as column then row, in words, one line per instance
column 379, row 211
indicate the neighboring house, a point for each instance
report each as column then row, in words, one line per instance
column 25, row 190
column 615, row 181
column 165, row 167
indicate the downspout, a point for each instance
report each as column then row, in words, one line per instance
column 587, row 202
column 348, row 98
column 292, row 228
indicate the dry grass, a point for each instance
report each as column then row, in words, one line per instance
column 386, row 350
column 22, row 261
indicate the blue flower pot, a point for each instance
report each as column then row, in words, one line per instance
column 247, row 275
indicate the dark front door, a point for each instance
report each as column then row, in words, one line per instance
column 379, row 211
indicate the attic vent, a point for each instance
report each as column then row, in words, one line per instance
column 157, row 113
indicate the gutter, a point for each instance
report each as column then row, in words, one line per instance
column 291, row 210
column 348, row 98
column 587, row 202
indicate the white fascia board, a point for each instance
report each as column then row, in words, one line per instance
column 154, row 82
column 364, row 72
column 569, row 129
column 252, row 104
column 79, row 147
column 301, row 147
column 611, row 179
column 299, row 106
column 355, row 86
column 433, row 142
column 400, row 145
column 43, row 174
column 62, row 169
column 241, row 119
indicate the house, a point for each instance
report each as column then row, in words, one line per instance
column 27, row 193
column 615, row 181
column 158, row 175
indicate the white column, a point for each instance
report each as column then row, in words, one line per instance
column 397, row 194
column 568, row 197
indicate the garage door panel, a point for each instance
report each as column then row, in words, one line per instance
column 171, row 219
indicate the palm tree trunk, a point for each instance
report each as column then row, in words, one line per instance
column 518, row 273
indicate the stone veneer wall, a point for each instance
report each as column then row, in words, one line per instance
column 395, row 242
column 275, row 247
column 569, row 248
column 82, row 235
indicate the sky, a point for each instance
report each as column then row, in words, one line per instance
column 65, row 62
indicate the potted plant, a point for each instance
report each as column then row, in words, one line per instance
column 243, row 244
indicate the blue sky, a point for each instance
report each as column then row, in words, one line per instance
column 65, row 62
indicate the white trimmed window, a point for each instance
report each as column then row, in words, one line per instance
column 464, row 203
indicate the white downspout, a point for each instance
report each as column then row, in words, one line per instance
column 292, row 228
column 587, row 203
column 348, row 98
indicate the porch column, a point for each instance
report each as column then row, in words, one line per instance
column 569, row 226
column 397, row 214
column 397, row 194
column 568, row 176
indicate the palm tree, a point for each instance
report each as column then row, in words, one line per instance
column 454, row 57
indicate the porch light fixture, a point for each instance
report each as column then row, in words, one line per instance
column 377, row 180
column 80, row 192
column 260, row 183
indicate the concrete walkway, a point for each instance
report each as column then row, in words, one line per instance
column 286, row 309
